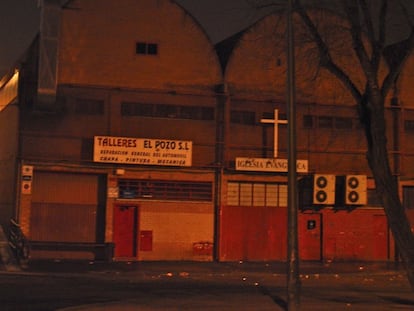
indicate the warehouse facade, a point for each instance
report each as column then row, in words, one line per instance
column 137, row 139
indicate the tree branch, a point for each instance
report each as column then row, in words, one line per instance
column 352, row 13
column 324, row 55
column 366, row 14
column 377, row 42
column 396, row 56
column 383, row 22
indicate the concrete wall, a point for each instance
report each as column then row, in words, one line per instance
column 97, row 47
column 8, row 152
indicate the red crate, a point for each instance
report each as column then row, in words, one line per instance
column 203, row 248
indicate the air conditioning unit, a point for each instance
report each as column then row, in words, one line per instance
column 356, row 190
column 324, row 189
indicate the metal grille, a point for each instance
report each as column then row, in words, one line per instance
column 165, row 190
column 256, row 194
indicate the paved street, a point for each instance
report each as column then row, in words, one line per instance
column 201, row 286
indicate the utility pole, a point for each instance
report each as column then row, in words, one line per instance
column 293, row 281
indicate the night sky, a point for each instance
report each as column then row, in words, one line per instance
column 19, row 23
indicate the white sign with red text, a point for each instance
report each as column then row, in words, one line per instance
column 142, row 151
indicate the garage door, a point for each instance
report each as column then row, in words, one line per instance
column 67, row 207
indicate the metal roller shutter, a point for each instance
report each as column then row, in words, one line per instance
column 65, row 207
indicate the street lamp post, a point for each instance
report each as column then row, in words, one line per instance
column 293, row 281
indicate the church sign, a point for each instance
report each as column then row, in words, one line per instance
column 269, row 165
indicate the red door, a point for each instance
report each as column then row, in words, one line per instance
column 380, row 251
column 125, row 231
column 310, row 236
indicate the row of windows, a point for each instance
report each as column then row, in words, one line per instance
column 256, row 194
column 96, row 107
column 329, row 122
column 89, row 107
column 165, row 190
column 167, row 111
column 275, row 195
column 243, row 117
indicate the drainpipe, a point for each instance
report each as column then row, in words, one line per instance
column 396, row 152
column 396, row 115
column 50, row 20
column 222, row 123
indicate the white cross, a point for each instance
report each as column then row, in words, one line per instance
column 276, row 121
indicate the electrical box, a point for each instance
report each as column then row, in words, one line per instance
column 324, row 189
column 356, row 190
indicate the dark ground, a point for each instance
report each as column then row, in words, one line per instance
column 53, row 285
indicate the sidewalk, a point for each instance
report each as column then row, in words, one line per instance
column 246, row 286
column 213, row 270
column 203, row 267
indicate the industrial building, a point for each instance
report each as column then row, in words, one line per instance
column 135, row 138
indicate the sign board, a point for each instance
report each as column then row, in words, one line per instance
column 27, row 175
column 269, row 165
column 27, row 171
column 26, row 187
column 113, row 192
column 142, row 151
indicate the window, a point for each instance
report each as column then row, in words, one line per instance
column 256, row 194
column 165, row 190
column 325, row 122
column 232, row 193
column 243, row 117
column 259, row 196
column 146, row 48
column 283, row 195
column 408, row 197
column 246, row 194
column 331, row 122
column 131, row 109
column 89, row 106
column 372, row 198
column 152, row 49
column 343, row 123
column 272, row 198
column 167, row 111
column 271, row 115
column 308, row 121
column 409, row 125
column 141, row 48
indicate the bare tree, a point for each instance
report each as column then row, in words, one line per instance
column 368, row 32
column 371, row 29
